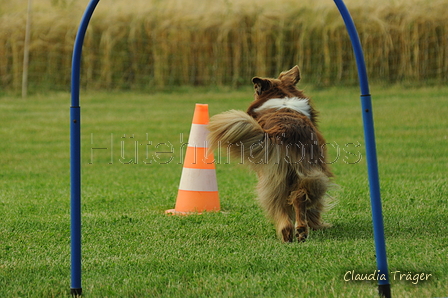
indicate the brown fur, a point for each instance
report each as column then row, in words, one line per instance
column 285, row 149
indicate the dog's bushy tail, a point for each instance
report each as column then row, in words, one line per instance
column 239, row 134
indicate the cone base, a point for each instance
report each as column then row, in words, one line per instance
column 175, row 212
column 195, row 202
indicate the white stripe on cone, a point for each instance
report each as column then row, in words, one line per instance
column 198, row 180
column 198, row 136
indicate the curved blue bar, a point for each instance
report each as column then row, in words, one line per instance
column 75, row 154
column 77, row 51
column 372, row 162
column 357, row 48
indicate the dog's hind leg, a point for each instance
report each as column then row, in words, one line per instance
column 281, row 214
column 299, row 201
column 273, row 199
column 284, row 226
column 314, row 217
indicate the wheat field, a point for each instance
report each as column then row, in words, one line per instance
column 160, row 44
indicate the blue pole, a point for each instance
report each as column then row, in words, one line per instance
column 372, row 163
column 75, row 155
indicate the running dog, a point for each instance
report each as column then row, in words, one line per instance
column 278, row 138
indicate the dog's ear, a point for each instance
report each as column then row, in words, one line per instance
column 291, row 76
column 261, row 85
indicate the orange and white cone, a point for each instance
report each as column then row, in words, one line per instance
column 198, row 188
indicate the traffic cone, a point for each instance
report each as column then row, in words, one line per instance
column 198, row 188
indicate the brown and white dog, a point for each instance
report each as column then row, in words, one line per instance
column 278, row 138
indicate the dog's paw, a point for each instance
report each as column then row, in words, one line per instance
column 302, row 234
column 287, row 234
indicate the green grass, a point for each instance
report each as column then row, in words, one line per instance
column 132, row 249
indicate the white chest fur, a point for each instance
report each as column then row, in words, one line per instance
column 300, row 105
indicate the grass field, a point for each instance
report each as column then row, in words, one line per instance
column 132, row 249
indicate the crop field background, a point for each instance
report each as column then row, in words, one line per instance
column 159, row 44
column 145, row 65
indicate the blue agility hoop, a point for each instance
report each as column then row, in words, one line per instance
column 75, row 154
column 372, row 163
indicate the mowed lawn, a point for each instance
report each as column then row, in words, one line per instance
column 132, row 249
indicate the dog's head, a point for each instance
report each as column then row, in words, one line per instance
column 282, row 87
